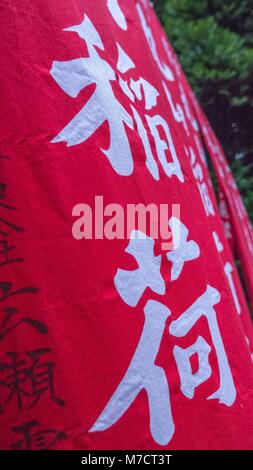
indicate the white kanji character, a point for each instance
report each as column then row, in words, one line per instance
column 142, row 88
column 124, row 63
column 199, row 176
column 223, row 209
column 137, row 88
column 132, row 284
column 204, row 306
column 144, row 374
column 74, row 75
column 190, row 381
column 228, row 268
column 218, row 244
column 228, row 230
column 164, row 69
column 201, row 149
column 176, row 110
column 248, row 344
column 117, row 13
column 150, row 161
column 173, row 167
column 207, row 202
column 188, row 113
column 183, row 250
column 150, row 92
column 248, row 234
column 239, row 205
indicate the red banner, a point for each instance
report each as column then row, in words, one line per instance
column 113, row 336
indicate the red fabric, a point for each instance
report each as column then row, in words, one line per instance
column 69, row 336
column 225, row 217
